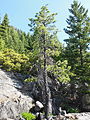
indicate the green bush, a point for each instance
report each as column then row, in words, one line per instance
column 28, row 116
column 73, row 110
column 12, row 61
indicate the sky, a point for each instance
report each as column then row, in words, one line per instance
column 20, row 10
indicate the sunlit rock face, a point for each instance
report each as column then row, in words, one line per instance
column 12, row 100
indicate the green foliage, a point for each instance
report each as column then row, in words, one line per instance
column 28, row 116
column 43, row 26
column 73, row 110
column 5, row 21
column 76, row 51
column 70, row 108
column 4, row 29
column 12, row 61
column 2, row 44
column 14, row 41
column 44, row 39
column 13, row 38
column 78, row 30
column 32, row 79
column 4, row 33
column 61, row 71
column 21, row 52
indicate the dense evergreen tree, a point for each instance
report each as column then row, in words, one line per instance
column 46, row 45
column 25, row 40
column 5, row 21
column 78, row 30
column 10, row 37
column 40, row 25
column 2, row 44
column 78, row 42
column 4, row 26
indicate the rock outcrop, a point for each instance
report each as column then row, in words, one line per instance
column 12, row 101
column 82, row 116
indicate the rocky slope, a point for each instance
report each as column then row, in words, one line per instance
column 12, row 100
column 82, row 116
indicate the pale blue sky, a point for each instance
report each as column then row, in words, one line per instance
column 20, row 10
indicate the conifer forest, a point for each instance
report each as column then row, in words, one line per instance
column 60, row 72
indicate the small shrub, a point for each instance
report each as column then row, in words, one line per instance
column 73, row 110
column 12, row 61
column 28, row 116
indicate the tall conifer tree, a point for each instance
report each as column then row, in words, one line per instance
column 46, row 45
column 4, row 29
column 78, row 30
column 43, row 30
column 78, row 42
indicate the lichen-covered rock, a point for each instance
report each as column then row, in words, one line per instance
column 12, row 101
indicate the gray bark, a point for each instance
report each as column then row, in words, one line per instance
column 48, row 101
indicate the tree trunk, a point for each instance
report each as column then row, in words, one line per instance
column 48, row 101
